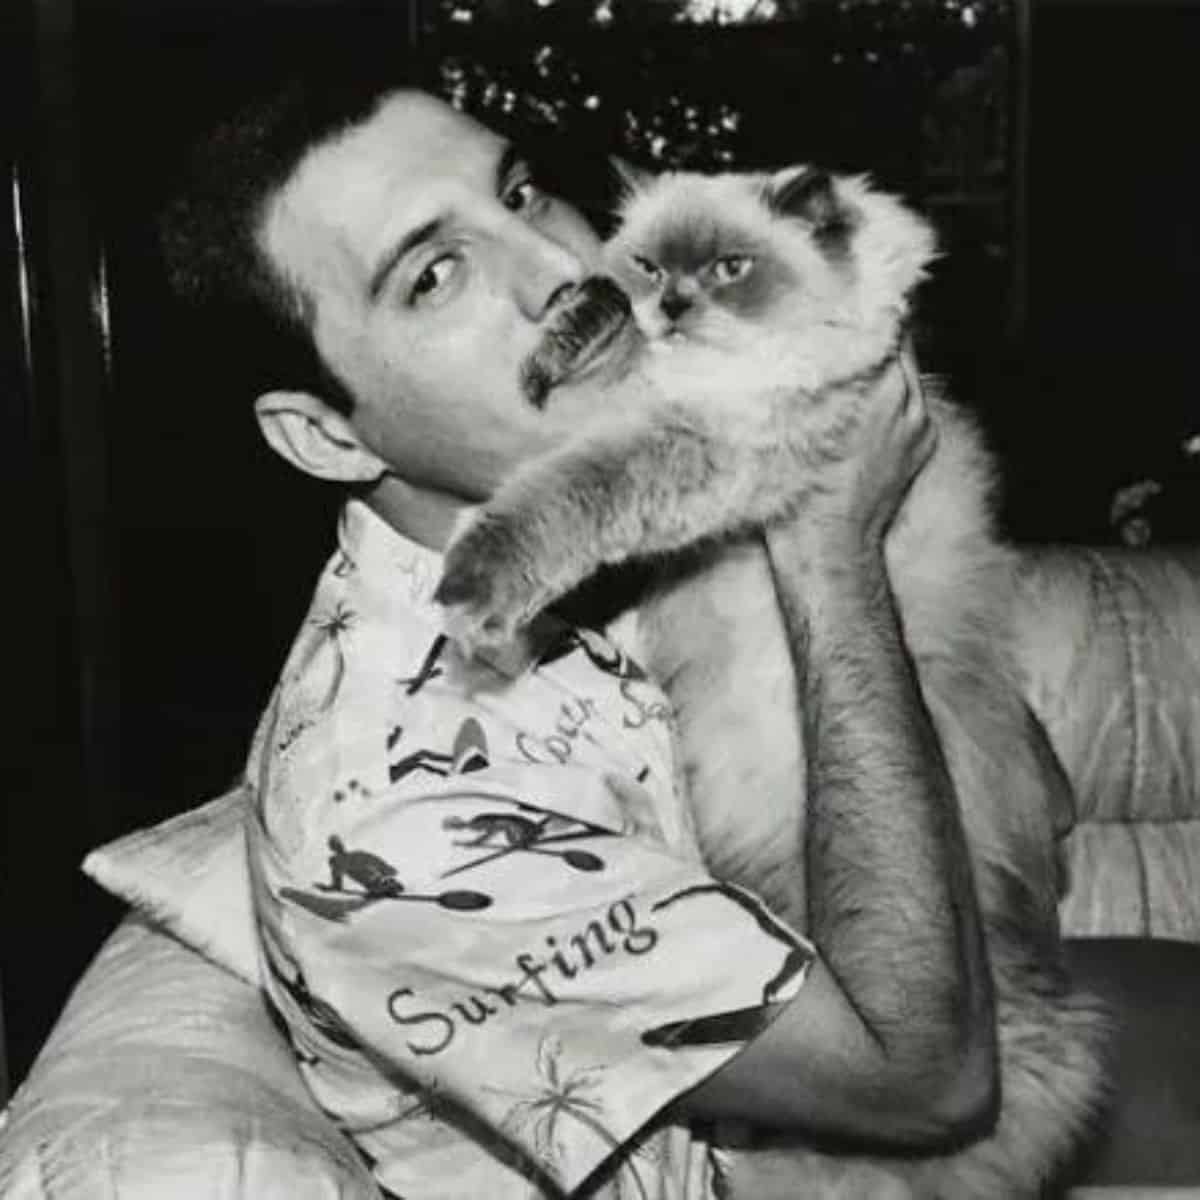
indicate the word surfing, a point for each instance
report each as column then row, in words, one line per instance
column 434, row 1029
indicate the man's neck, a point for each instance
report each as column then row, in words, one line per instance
column 427, row 517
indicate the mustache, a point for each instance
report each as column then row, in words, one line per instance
column 594, row 311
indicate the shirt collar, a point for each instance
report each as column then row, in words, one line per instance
column 390, row 570
column 394, row 578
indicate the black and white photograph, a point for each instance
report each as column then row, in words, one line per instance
column 606, row 599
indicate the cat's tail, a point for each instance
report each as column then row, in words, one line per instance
column 1053, row 1044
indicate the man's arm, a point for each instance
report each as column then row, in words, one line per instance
column 892, row 1036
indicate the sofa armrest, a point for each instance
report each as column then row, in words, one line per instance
column 1109, row 642
column 165, row 1076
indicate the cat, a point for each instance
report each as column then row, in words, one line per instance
column 769, row 303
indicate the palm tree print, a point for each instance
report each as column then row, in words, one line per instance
column 562, row 1097
column 333, row 626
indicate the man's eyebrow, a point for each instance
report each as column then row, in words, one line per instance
column 412, row 239
column 510, row 156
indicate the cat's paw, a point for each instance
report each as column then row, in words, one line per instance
column 487, row 593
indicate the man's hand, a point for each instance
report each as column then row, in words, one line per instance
column 862, row 494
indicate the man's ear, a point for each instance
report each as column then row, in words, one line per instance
column 315, row 438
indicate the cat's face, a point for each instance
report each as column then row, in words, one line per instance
column 797, row 266
column 701, row 278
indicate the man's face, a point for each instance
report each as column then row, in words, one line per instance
column 445, row 287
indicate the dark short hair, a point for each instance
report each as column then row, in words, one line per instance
column 210, row 230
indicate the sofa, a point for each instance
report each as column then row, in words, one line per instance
column 165, row 1075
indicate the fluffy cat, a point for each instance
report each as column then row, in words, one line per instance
column 768, row 304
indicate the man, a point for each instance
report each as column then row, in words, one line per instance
column 482, row 914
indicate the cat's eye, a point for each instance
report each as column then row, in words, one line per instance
column 648, row 268
column 729, row 268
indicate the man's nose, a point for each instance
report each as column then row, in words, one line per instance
column 542, row 270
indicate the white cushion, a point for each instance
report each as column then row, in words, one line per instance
column 189, row 874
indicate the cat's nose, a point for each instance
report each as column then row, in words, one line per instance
column 674, row 304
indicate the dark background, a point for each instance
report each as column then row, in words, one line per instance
column 159, row 559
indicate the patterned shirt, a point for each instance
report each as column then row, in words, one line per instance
column 482, row 913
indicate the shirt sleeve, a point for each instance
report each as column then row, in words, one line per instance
column 516, row 942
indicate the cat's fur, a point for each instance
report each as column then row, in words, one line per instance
column 748, row 393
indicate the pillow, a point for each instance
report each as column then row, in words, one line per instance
column 165, row 1079
column 189, row 874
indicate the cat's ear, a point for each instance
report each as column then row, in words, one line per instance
column 629, row 176
column 811, row 195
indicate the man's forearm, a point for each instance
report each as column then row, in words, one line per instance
column 890, row 896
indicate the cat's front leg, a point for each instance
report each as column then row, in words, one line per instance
column 545, row 531
column 624, row 489
column 492, row 580
column 668, row 477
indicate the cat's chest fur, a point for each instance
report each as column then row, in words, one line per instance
column 714, row 640
column 713, row 636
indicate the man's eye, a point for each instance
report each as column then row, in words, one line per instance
column 650, row 269
column 731, row 267
column 523, row 196
column 432, row 278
